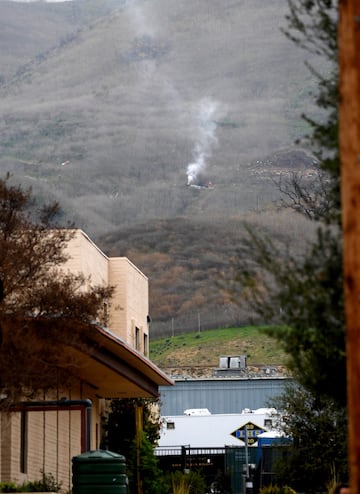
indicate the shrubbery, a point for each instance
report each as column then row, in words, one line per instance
column 186, row 483
column 47, row 483
column 277, row 489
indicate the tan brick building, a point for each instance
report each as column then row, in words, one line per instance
column 45, row 434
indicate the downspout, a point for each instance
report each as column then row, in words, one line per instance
column 63, row 404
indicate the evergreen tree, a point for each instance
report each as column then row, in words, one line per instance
column 302, row 297
column 303, row 300
column 121, row 438
column 318, row 427
column 150, row 476
column 120, row 427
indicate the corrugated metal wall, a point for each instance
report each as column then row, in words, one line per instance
column 219, row 395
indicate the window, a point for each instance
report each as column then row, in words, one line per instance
column 146, row 344
column 137, row 338
column 268, row 423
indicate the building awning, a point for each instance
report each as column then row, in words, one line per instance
column 115, row 369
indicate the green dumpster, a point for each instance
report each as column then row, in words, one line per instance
column 99, row 472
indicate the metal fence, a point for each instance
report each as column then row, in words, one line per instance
column 225, row 469
column 222, row 317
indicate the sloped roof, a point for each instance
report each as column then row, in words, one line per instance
column 115, row 369
column 209, row 431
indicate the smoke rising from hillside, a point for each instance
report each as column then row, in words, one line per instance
column 206, row 139
column 138, row 102
column 148, row 33
column 147, row 29
column 139, row 19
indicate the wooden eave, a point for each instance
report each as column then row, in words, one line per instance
column 116, row 370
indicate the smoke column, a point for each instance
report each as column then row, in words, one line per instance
column 206, row 140
column 139, row 18
column 144, row 22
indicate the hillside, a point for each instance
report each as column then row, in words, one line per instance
column 188, row 262
column 160, row 126
column 30, row 32
column 197, row 354
column 112, row 106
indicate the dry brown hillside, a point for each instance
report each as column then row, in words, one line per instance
column 186, row 261
column 159, row 126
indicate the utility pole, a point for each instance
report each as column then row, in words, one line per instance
column 349, row 119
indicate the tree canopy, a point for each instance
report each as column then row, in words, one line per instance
column 302, row 297
column 313, row 26
column 318, row 429
column 121, row 432
column 41, row 305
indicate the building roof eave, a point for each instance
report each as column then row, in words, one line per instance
column 116, row 370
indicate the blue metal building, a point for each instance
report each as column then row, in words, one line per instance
column 220, row 395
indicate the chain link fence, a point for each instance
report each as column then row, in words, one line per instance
column 220, row 317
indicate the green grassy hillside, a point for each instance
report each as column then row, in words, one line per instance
column 205, row 348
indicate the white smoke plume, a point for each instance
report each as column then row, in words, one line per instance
column 144, row 21
column 142, row 18
column 206, row 127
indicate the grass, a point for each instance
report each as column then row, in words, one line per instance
column 205, row 348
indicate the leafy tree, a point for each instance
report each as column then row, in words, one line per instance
column 121, row 438
column 151, row 477
column 41, row 306
column 121, row 423
column 318, row 428
column 303, row 296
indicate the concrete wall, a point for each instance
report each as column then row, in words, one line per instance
column 87, row 259
column 129, row 307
